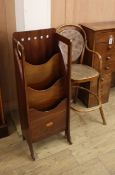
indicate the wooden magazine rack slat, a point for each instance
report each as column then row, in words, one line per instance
column 44, row 75
column 43, row 84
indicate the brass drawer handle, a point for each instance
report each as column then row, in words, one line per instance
column 49, row 124
column 108, row 58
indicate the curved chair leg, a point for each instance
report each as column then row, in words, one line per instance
column 102, row 115
column 99, row 96
column 67, row 135
column 99, row 101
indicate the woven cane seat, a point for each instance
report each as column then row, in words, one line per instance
column 82, row 73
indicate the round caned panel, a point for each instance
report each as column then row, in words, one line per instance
column 77, row 44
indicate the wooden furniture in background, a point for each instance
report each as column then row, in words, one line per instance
column 81, row 73
column 69, row 11
column 7, row 76
column 101, row 38
column 3, row 125
column 43, row 84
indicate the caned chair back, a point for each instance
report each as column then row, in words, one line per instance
column 78, row 38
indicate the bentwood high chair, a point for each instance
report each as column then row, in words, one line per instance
column 81, row 73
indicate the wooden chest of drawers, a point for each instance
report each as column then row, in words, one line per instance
column 101, row 38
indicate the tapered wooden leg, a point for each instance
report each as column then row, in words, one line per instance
column 31, row 149
column 67, row 135
column 99, row 96
column 102, row 115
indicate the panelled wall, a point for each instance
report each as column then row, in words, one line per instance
column 7, row 77
column 81, row 11
column 11, row 27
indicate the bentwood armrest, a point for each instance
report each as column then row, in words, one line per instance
column 98, row 56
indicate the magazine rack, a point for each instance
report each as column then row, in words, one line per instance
column 43, row 84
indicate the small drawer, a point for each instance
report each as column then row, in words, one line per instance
column 106, row 63
column 107, row 37
column 108, row 58
column 49, row 122
column 103, row 48
column 106, row 68
column 113, row 66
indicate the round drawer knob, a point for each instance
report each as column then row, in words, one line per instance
column 108, row 58
column 109, row 46
column 102, row 79
column 107, row 68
